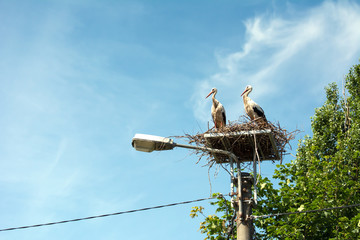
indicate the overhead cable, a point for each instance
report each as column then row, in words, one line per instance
column 105, row 215
column 163, row 206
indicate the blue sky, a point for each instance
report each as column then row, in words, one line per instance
column 80, row 78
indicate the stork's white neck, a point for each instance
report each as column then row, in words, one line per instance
column 246, row 97
column 215, row 101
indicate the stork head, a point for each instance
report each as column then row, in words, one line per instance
column 247, row 89
column 213, row 91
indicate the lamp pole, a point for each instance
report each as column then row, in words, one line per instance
column 244, row 222
column 149, row 143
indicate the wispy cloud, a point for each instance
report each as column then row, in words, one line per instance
column 283, row 54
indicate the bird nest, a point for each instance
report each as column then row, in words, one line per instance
column 246, row 139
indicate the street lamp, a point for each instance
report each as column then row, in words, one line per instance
column 149, row 143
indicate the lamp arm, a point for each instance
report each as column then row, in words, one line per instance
column 212, row 150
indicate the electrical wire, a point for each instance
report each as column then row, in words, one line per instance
column 308, row 211
column 167, row 205
column 104, row 215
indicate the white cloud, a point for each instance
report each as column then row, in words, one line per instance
column 286, row 54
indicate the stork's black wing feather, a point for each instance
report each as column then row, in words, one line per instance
column 259, row 111
column 224, row 117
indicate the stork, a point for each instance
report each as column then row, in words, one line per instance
column 217, row 110
column 252, row 108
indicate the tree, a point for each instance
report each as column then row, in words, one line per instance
column 215, row 227
column 325, row 174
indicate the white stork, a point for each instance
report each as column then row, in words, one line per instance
column 217, row 110
column 252, row 108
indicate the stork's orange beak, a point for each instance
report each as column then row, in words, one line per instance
column 209, row 94
column 244, row 91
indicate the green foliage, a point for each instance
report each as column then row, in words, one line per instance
column 213, row 226
column 324, row 174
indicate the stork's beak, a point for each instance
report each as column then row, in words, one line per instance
column 244, row 91
column 209, row 94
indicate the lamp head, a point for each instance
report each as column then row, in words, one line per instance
column 149, row 143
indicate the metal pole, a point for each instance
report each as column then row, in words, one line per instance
column 255, row 178
column 244, row 221
column 245, row 181
column 232, row 179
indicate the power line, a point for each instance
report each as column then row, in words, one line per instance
column 167, row 205
column 308, row 211
column 105, row 215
